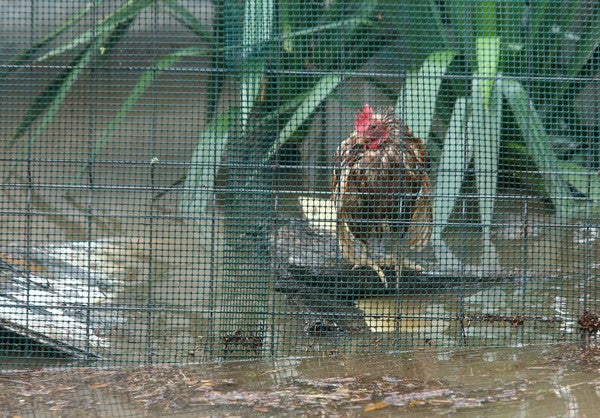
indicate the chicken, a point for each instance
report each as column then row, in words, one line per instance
column 381, row 190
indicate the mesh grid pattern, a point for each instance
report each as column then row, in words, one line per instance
column 174, row 188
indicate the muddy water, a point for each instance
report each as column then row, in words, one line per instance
column 558, row 380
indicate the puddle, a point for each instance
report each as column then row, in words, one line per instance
column 558, row 380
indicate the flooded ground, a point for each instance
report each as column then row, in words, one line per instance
column 533, row 381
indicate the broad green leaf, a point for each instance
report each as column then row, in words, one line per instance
column 454, row 160
column 485, row 133
column 345, row 23
column 309, row 104
column 485, row 130
column 360, row 41
column 417, row 100
column 183, row 15
column 468, row 22
column 488, row 54
column 200, row 179
column 53, row 93
column 578, row 56
column 418, row 40
column 539, row 16
column 258, row 25
column 218, row 61
column 461, row 22
column 442, row 30
column 585, row 181
column 49, row 102
column 538, row 143
column 149, row 76
column 485, row 18
column 587, row 46
column 509, row 20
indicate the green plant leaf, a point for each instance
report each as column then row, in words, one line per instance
column 417, row 100
column 418, row 40
column 53, row 93
column 149, row 76
column 470, row 21
column 96, row 41
column 454, row 161
column 485, row 133
column 47, row 104
column 218, row 60
column 200, row 180
column 312, row 100
column 183, row 15
column 144, row 82
column 558, row 48
column 538, row 144
column 488, row 55
column 585, row 48
column 257, row 30
column 346, row 47
column 585, row 181
column 26, row 55
column 484, row 16
column 484, row 130
column 128, row 11
column 577, row 55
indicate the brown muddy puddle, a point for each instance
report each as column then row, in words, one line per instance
column 558, row 380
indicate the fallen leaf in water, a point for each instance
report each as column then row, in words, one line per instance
column 376, row 406
column 327, row 383
column 408, row 398
column 100, row 385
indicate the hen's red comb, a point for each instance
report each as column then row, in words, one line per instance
column 363, row 119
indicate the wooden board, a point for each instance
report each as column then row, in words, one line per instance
column 59, row 295
column 306, row 259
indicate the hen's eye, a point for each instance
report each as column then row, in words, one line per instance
column 376, row 130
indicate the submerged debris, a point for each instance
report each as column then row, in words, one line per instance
column 321, row 328
column 589, row 322
column 417, row 383
column 241, row 340
column 515, row 320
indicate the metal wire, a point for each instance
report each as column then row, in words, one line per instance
column 167, row 178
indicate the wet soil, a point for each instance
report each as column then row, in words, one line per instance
column 558, row 380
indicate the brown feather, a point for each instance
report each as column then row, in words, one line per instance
column 381, row 182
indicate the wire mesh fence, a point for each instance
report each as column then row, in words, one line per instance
column 186, row 181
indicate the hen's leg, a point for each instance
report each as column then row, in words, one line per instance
column 347, row 244
column 346, row 239
column 396, row 260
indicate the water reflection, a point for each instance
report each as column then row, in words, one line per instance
column 550, row 380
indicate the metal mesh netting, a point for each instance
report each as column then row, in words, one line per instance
column 186, row 181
